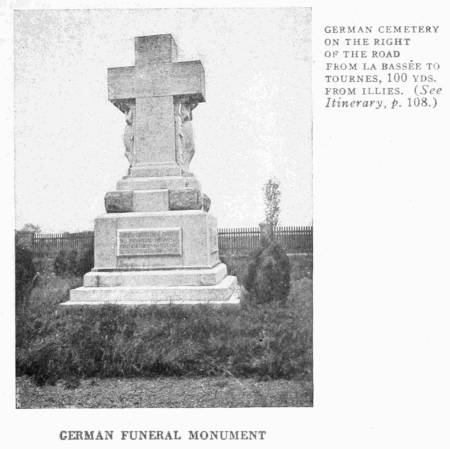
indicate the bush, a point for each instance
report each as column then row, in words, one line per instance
column 25, row 272
column 86, row 262
column 73, row 263
column 268, row 274
column 60, row 264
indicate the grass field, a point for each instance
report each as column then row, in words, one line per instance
column 163, row 357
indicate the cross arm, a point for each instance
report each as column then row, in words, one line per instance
column 172, row 79
column 121, row 83
column 188, row 79
column 185, row 79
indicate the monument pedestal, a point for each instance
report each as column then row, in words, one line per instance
column 166, row 257
column 225, row 292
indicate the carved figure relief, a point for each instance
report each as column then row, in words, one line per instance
column 128, row 134
column 185, row 147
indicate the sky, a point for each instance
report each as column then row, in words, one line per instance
column 256, row 122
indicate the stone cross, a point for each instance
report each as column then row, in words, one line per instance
column 157, row 243
column 152, row 89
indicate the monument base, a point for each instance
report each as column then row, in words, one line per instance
column 225, row 292
column 147, row 258
column 156, row 278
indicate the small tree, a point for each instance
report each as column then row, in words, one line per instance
column 272, row 196
column 30, row 227
column 268, row 272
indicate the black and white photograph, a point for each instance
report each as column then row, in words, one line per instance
column 164, row 230
column 225, row 224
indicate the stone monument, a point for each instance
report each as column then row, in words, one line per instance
column 157, row 243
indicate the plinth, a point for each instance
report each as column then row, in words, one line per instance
column 158, row 256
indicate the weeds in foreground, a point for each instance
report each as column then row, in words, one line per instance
column 265, row 341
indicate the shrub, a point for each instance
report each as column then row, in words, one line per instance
column 268, row 274
column 25, row 272
column 26, row 277
column 60, row 264
column 86, row 261
column 73, row 263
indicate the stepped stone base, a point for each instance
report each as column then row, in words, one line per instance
column 156, row 258
column 156, row 278
column 225, row 292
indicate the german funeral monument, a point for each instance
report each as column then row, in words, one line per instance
column 157, row 243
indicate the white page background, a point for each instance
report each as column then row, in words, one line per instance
column 381, row 185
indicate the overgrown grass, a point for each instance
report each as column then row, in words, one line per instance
column 269, row 341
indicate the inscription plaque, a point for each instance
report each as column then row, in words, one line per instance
column 213, row 240
column 149, row 242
